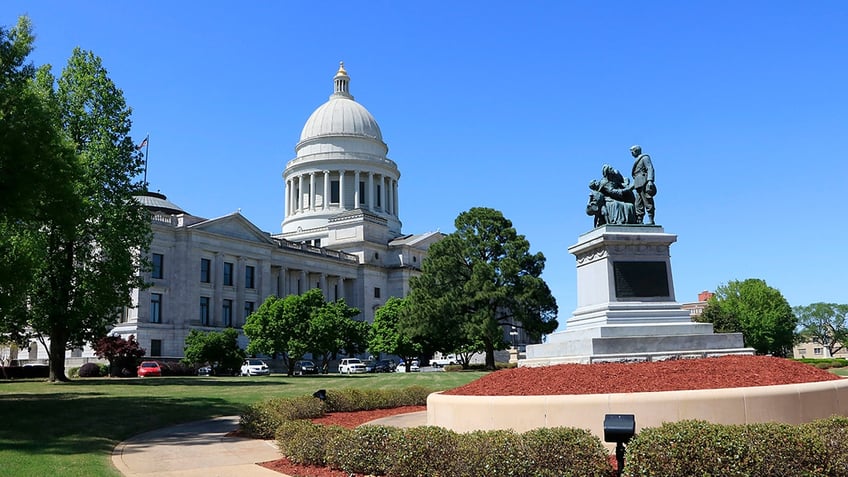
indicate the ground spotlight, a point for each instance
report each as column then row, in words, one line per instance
column 619, row 428
column 320, row 394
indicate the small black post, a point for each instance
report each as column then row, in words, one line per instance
column 619, row 457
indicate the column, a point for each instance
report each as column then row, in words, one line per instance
column 356, row 189
column 395, row 192
column 323, row 285
column 341, row 189
column 286, row 199
column 217, row 300
column 326, row 201
column 312, row 191
column 371, row 191
column 304, row 282
column 381, row 200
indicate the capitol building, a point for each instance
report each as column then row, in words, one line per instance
column 341, row 232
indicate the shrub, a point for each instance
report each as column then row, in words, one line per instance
column 363, row 450
column 423, row 452
column 73, row 372
column 566, row 452
column 493, row 454
column 89, row 370
column 453, row 368
column 772, row 449
column 303, row 442
column 264, row 418
column 176, row 368
column 348, row 400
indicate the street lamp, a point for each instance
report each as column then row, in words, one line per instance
column 619, row 428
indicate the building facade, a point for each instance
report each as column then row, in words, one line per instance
column 341, row 233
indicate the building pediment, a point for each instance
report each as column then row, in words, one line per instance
column 234, row 225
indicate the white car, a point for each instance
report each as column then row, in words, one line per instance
column 351, row 366
column 413, row 367
column 255, row 367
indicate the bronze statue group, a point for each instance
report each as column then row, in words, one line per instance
column 615, row 199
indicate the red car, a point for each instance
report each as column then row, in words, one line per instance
column 149, row 368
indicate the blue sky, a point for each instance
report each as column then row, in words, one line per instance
column 508, row 105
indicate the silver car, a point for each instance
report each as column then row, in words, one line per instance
column 255, row 367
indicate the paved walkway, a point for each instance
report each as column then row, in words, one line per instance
column 202, row 449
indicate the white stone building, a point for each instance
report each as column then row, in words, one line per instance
column 341, row 233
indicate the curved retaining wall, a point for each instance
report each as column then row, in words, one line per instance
column 788, row 403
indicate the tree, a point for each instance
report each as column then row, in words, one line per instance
column 386, row 336
column 281, row 326
column 333, row 329
column 35, row 160
column 122, row 354
column 93, row 249
column 825, row 324
column 475, row 282
column 758, row 311
column 218, row 348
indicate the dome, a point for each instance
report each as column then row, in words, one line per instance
column 156, row 202
column 341, row 115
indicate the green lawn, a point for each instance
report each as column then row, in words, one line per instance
column 839, row 371
column 70, row 429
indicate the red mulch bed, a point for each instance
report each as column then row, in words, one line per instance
column 602, row 378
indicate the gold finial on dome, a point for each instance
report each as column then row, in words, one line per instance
column 341, row 71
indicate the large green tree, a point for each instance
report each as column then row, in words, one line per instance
column 332, row 328
column 36, row 159
column 95, row 247
column 825, row 324
column 756, row 310
column 280, row 326
column 218, row 348
column 386, row 336
column 477, row 281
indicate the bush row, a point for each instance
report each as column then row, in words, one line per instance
column 819, row 448
column 262, row 419
column 825, row 363
column 24, row 372
column 427, row 451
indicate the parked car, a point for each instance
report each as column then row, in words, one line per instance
column 444, row 361
column 255, row 367
column 351, row 366
column 383, row 366
column 148, row 368
column 204, row 371
column 369, row 365
column 304, row 367
column 413, row 367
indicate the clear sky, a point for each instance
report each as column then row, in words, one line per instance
column 509, row 105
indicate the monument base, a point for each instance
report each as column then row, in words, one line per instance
column 626, row 310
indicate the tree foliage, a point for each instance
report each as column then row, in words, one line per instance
column 218, row 348
column 475, row 282
column 825, row 324
column 386, row 336
column 77, row 232
column 300, row 324
column 122, row 354
column 756, row 310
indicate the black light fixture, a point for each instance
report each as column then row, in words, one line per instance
column 619, row 428
column 320, row 394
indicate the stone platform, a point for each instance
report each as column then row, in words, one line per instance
column 626, row 309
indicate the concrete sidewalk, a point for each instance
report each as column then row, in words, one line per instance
column 202, row 449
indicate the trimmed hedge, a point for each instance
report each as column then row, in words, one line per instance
column 89, row 370
column 773, row 449
column 825, row 363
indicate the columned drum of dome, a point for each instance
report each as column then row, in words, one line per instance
column 341, row 165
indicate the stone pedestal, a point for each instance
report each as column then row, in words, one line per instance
column 626, row 308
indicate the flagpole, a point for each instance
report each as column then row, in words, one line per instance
column 146, row 149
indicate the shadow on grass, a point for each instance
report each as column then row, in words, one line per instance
column 81, row 423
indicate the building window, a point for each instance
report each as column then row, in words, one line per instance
column 818, row 351
column 155, row 347
column 228, row 274
column 376, row 292
column 204, row 310
column 361, row 193
column 205, row 266
column 158, row 261
column 379, row 196
column 249, row 273
column 334, row 192
column 802, row 351
column 156, row 308
column 228, row 313
column 248, row 309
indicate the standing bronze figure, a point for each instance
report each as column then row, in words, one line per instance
column 643, row 185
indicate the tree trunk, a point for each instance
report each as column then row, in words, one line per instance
column 56, row 357
column 490, row 355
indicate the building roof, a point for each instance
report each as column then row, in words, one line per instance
column 341, row 115
column 157, row 202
